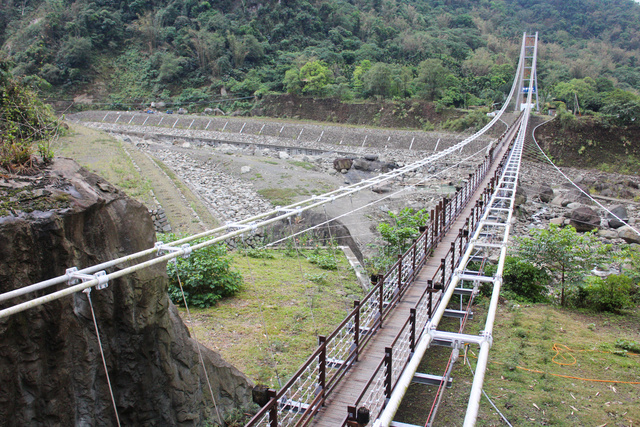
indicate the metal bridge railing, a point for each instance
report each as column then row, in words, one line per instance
column 305, row 392
column 388, row 371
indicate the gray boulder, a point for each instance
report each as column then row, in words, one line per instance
column 628, row 234
column 364, row 165
column 343, row 163
column 584, row 219
column 620, row 212
column 545, row 193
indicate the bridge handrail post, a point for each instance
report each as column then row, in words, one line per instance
column 356, row 335
column 436, row 217
column 322, row 369
column 273, row 412
column 430, row 286
column 413, row 260
column 453, row 259
column 412, row 322
column 381, row 298
column 388, row 360
column 400, row 259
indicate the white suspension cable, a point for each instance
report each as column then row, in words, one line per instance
column 280, row 213
column 104, row 361
column 466, row 358
column 195, row 338
column 353, row 210
column 576, row 185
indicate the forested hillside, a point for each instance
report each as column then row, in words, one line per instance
column 456, row 52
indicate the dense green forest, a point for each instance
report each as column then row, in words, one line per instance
column 457, row 53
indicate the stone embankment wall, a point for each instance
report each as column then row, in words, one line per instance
column 50, row 366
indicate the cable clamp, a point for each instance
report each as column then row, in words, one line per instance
column 252, row 226
column 323, row 198
column 161, row 247
column 297, row 211
column 487, row 337
column 74, row 277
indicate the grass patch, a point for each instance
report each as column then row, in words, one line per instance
column 541, row 359
column 273, row 322
column 304, row 165
column 279, row 196
column 270, row 162
column 106, row 157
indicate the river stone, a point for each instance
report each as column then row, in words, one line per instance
column 557, row 221
column 51, row 366
column 607, row 234
column 628, row 234
column 245, row 169
column 283, row 155
column 545, row 193
column 342, row 164
column 619, row 211
column 363, row 165
column 584, row 219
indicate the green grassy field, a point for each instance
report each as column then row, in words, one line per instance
column 547, row 366
column 270, row 328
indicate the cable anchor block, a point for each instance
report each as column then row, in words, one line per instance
column 161, row 247
column 75, row 277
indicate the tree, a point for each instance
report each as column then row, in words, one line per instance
column 402, row 229
column 432, row 76
column 562, row 252
column 315, row 75
column 381, row 80
column 292, row 82
column 356, row 80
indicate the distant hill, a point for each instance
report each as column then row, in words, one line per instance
column 457, row 53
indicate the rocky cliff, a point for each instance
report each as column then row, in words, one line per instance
column 51, row 370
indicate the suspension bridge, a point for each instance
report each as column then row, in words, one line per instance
column 359, row 373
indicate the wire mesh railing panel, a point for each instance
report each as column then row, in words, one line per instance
column 374, row 397
column 369, row 315
column 401, row 353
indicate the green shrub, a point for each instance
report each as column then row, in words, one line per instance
column 610, row 294
column 206, row 276
column 260, row 253
column 24, row 120
column 522, row 280
column 323, row 260
column 628, row 345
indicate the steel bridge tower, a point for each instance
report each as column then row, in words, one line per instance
column 528, row 74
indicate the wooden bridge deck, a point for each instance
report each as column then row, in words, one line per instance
column 349, row 389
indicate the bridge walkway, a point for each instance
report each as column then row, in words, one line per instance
column 350, row 388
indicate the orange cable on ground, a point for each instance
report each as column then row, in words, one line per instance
column 558, row 350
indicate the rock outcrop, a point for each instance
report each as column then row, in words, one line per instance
column 51, row 370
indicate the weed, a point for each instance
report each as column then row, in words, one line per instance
column 319, row 278
column 628, row 345
column 304, row 165
column 259, row 253
column 325, row 261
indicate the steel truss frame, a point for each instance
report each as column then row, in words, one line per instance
column 490, row 236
